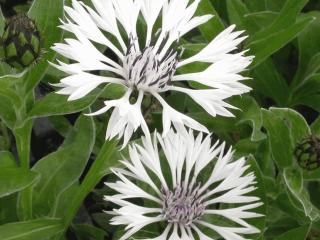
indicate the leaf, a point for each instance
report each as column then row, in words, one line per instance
column 61, row 169
column 304, row 87
column 300, row 233
column 307, row 93
column 88, row 232
column 298, row 126
column 308, row 50
column 285, row 20
column 31, row 230
column 279, row 139
column 269, row 44
column 15, row 179
column 259, row 192
column 214, row 26
column 262, row 19
column 256, row 5
column 315, row 127
column 97, row 171
column 55, row 104
column 2, row 22
column 294, row 180
column 47, row 23
column 251, row 114
column 269, row 82
column 61, row 125
column 7, row 112
column 275, row 5
column 8, row 206
column 237, row 11
column 7, row 160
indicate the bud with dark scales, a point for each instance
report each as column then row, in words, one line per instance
column 21, row 42
column 308, row 153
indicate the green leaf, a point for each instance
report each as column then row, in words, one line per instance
column 300, row 233
column 294, row 180
column 7, row 112
column 61, row 125
column 308, row 50
column 306, row 81
column 274, row 5
column 269, row 82
column 251, row 114
column 55, row 104
column 97, row 171
column 256, row 5
column 2, row 22
column 7, row 160
column 47, row 23
column 267, row 45
column 279, row 139
column 262, row 19
column 259, row 192
column 237, row 11
column 315, row 127
column 88, row 232
column 31, row 230
column 298, row 126
column 8, row 209
column 307, row 93
column 15, row 179
column 213, row 27
column 61, row 169
column 286, row 18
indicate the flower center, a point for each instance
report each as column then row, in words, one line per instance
column 147, row 71
column 182, row 205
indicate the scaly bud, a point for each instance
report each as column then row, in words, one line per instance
column 21, row 41
column 308, row 153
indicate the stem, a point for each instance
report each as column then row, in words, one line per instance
column 22, row 133
column 95, row 174
column 23, row 141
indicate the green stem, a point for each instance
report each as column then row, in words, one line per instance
column 23, row 141
column 95, row 174
column 22, row 133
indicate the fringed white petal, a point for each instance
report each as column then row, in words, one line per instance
column 180, row 121
column 150, row 10
column 185, row 154
column 223, row 75
column 79, row 85
column 212, row 100
column 219, row 48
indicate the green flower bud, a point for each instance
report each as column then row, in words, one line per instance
column 21, row 42
column 308, row 153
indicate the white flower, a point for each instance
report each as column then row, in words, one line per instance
column 148, row 65
column 188, row 192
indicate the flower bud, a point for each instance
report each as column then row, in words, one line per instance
column 21, row 42
column 308, row 153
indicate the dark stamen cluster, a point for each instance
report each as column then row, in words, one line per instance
column 182, row 205
column 145, row 69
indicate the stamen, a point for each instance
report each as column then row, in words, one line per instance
column 146, row 71
column 182, row 205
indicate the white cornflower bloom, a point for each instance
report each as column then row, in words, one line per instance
column 147, row 65
column 198, row 185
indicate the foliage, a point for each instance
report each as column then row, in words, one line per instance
column 59, row 193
